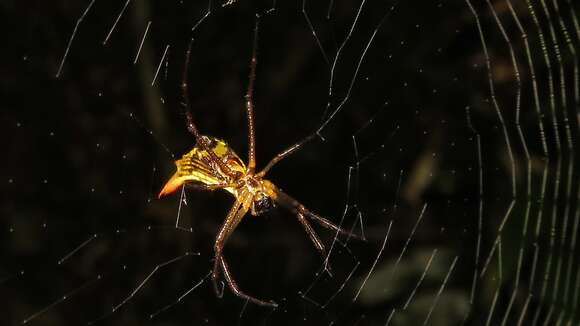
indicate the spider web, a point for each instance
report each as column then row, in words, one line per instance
column 446, row 133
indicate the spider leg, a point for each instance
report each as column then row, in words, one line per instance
column 315, row 239
column 282, row 155
column 236, row 290
column 329, row 225
column 296, row 207
column 239, row 209
column 312, row 234
column 191, row 127
column 231, row 222
column 250, row 102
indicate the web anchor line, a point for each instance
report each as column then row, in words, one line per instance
column 116, row 22
column 74, row 33
column 181, row 297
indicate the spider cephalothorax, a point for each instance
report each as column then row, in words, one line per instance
column 261, row 204
column 213, row 165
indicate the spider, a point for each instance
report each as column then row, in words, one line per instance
column 213, row 165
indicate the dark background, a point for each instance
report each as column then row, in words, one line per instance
column 85, row 154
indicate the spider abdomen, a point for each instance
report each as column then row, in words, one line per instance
column 197, row 166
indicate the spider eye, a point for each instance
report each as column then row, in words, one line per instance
column 263, row 204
